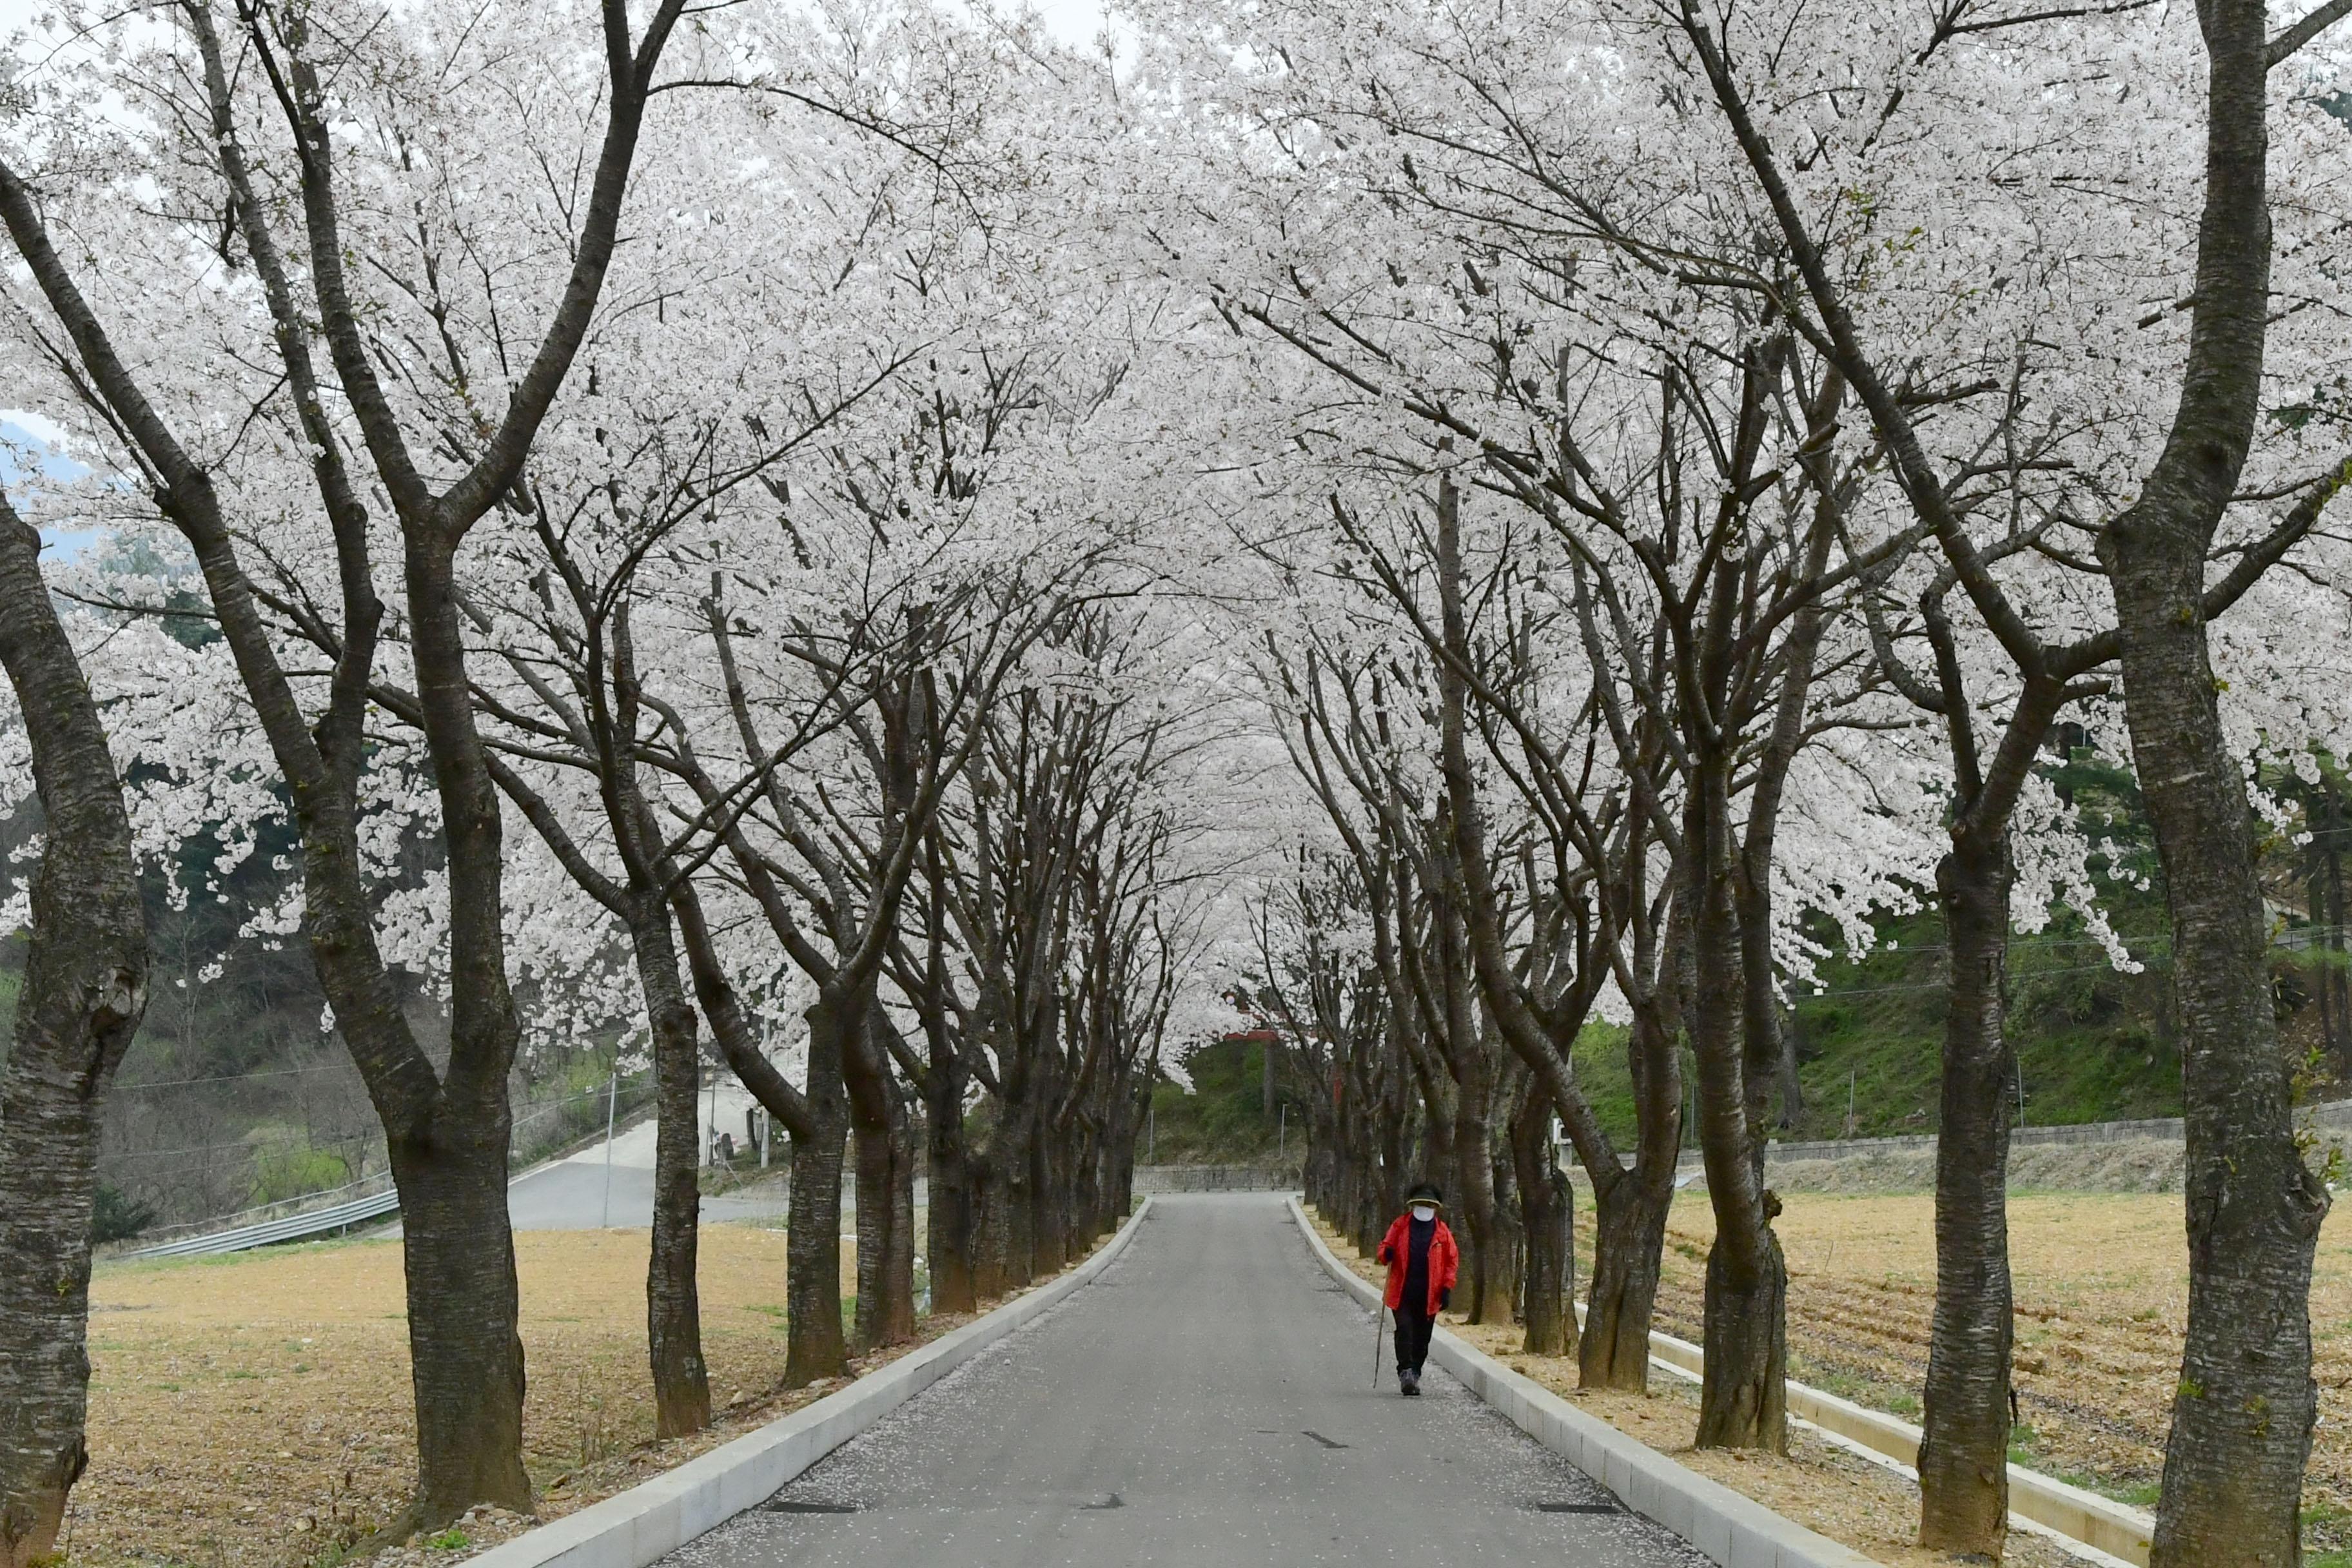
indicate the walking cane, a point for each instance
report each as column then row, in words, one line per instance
column 1379, row 1312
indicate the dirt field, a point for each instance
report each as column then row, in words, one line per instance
column 254, row 1412
column 2102, row 1302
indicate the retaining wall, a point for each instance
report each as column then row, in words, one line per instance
column 1213, row 1179
column 2332, row 1119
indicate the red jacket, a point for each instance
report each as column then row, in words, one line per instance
column 1444, row 1262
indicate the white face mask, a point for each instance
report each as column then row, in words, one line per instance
column 1424, row 1213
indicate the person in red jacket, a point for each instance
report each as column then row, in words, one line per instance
column 1422, row 1262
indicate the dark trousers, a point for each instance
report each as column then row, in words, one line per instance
column 1412, row 1339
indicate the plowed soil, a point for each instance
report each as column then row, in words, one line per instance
column 2102, row 1300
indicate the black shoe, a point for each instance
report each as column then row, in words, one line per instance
column 1413, row 1386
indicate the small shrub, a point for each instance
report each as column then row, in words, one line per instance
column 117, row 1217
column 291, row 1171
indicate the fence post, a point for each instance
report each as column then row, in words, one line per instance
column 611, row 1103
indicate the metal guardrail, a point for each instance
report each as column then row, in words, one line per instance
column 293, row 1228
column 342, row 1216
column 260, row 1214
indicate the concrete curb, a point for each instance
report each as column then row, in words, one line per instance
column 1734, row 1531
column 656, row 1518
column 2082, row 1516
column 2083, row 1523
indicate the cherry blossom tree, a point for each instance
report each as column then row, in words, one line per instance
column 267, row 110
column 84, row 991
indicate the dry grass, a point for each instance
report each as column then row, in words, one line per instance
column 254, row 1412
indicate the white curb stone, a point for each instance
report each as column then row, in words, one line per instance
column 650, row 1520
column 1734, row 1531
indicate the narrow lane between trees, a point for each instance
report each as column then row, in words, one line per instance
column 1208, row 1401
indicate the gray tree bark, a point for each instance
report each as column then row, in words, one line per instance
column 84, row 992
column 2243, row 1414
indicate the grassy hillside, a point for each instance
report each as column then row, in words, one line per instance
column 1221, row 1121
column 2094, row 1043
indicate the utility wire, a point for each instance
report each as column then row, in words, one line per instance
column 327, row 1145
column 226, row 1078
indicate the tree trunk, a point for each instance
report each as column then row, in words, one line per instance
column 2241, row 1419
column 1629, row 1231
column 1513, row 1233
column 83, row 993
column 1437, row 1156
column 673, row 1304
column 991, row 1232
column 1487, row 1261
column 1086, row 1188
column 1016, row 1167
column 1049, row 1191
column 2242, row 1414
column 954, row 1233
column 1384, row 1193
column 1547, row 1220
column 2334, row 976
column 464, row 1343
column 886, row 1220
column 466, row 1356
column 885, row 1145
column 1742, row 1401
column 817, row 1348
column 1963, row 1452
column 1120, row 1202
column 1629, row 1234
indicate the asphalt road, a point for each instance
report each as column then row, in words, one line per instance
column 579, row 1193
column 1206, row 1401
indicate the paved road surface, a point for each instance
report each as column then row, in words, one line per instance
column 572, row 1192
column 1206, row 1401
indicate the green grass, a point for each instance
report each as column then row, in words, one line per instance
column 283, row 1171
column 2093, row 1042
column 1223, row 1119
column 2024, row 1449
column 1892, row 1398
column 2327, row 1529
column 2087, row 1036
column 236, row 1259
